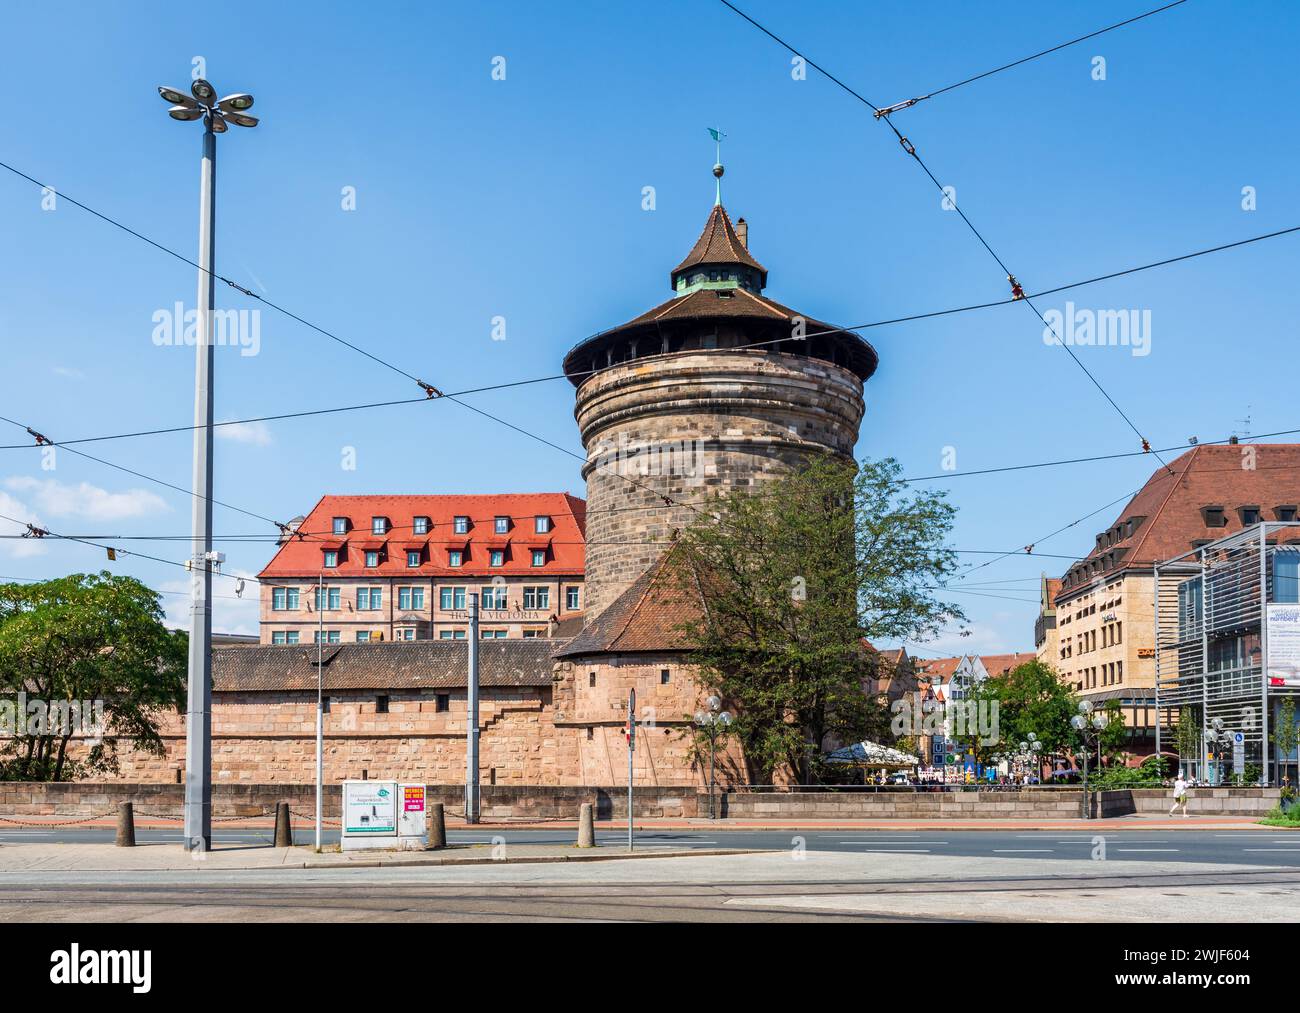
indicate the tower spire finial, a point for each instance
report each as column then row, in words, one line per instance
column 718, row 170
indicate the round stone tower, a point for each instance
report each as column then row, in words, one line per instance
column 718, row 388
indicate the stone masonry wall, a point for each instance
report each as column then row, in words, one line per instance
column 271, row 737
column 687, row 425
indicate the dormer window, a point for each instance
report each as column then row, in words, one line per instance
column 541, row 525
column 372, row 558
column 461, row 525
column 497, row 558
column 1285, row 513
column 1214, row 516
column 420, row 526
column 331, row 558
column 1250, row 515
column 455, row 557
column 501, row 525
column 340, row 526
column 379, row 525
column 412, row 557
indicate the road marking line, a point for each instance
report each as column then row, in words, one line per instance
column 896, row 851
column 1019, row 851
column 1146, row 849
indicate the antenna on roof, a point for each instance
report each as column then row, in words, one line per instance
column 718, row 170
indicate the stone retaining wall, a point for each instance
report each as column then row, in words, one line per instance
column 79, row 799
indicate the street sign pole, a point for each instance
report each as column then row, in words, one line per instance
column 631, row 751
column 471, row 718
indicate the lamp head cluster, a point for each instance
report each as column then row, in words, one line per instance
column 202, row 103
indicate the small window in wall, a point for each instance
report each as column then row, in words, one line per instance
column 442, row 703
column 325, row 704
column 664, row 677
column 591, row 734
column 591, row 678
column 381, row 705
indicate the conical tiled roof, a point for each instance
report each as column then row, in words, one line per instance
column 718, row 244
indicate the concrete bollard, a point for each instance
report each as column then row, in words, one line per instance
column 586, row 826
column 437, row 826
column 125, row 825
column 283, row 831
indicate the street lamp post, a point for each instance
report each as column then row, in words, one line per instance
column 1089, row 727
column 202, row 103
column 1218, row 740
column 713, row 723
column 320, row 700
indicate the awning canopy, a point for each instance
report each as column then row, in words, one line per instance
column 873, row 754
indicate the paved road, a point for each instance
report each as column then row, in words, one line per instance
column 774, row 886
column 1269, row 847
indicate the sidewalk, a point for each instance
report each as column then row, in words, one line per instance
column 722, row 825
column 43, row 858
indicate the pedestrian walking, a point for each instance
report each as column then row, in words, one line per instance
column 1180, row 796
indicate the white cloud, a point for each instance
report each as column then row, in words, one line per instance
column 67, row 372
column 255, row 433
column 85, row 500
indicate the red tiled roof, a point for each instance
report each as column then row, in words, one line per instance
column 719, row 244
column 419, row 664
column 301, row 556
column 937, row 668
column 1169, row 505
column 996, row 664
column 645, row 617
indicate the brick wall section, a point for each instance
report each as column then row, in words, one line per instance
column 271, row 737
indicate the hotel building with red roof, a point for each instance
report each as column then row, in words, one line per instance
column 367, row 568
column 1100, row 634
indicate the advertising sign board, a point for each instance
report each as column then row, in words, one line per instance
column 1283, row 629
column 370, row 807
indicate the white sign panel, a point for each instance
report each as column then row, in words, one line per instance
column 1283, row 645
column 370, row 807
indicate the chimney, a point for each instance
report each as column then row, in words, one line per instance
column 742, row 232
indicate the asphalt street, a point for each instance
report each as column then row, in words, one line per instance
column 1231, row 847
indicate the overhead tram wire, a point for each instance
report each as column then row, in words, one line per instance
column 428, row 389
column 158, row 481
column 910, row 148
column 1016, row 63
column 1227, row 441
column 431, row 392
column 548, row 443
column 307, row 413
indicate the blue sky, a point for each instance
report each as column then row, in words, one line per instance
column 521, row 199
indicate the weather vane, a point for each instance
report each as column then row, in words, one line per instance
column 717, row 136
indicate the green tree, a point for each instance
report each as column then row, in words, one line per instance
column 1285, row 735
column 1033, row 699
column 790, row 577
column 1188, row 734
column 86, row 638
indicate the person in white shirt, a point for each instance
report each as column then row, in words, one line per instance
column 1180, row 796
